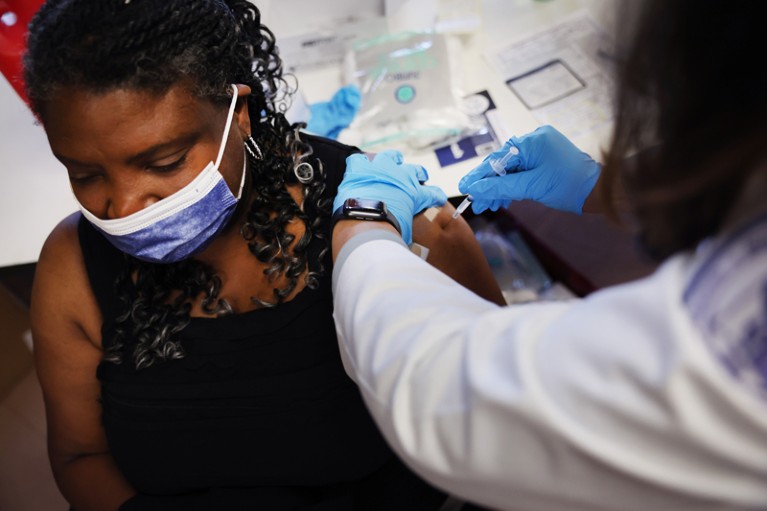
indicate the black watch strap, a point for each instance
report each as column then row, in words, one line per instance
column 364, row 209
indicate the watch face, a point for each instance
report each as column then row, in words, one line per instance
column 365, row 208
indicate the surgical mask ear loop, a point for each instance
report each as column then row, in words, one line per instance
column 304, row 172
column 250, row 149
column 222, row 148
column 230, row 116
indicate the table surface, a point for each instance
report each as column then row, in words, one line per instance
column 35, row 194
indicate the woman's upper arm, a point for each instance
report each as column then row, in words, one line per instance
column 454, row 250
column 66, row 325
column 66, row 328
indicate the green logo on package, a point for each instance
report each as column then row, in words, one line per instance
column 404, row 93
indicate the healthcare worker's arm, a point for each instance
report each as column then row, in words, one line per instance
column 612, row 402
column 66, row 327
column 428, row 222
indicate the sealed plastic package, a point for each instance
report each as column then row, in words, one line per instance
column 409, row 99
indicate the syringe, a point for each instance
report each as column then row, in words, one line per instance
column 499, row 167
column 499, row 164
column 462, row 206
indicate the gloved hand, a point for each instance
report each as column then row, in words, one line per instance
column 329, row 118
column 395, row 183
column 548, row 169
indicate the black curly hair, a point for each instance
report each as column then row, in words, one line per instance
column 206, row 45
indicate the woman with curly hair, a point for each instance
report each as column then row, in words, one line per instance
column 183, row 326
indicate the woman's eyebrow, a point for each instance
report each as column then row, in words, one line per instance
column 71, row 161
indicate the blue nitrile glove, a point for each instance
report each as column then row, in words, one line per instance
column 329, row 118
column 388, row 179
column 548, row 169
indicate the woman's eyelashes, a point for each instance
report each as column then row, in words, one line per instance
column 164, row 167
column 81, row 176
column 82, row 179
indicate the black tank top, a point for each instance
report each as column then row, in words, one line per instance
column 259, row 413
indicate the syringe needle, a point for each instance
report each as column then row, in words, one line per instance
column 462, row 206
column 498, row 165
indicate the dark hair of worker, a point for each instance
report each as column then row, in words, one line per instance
column 691, row 79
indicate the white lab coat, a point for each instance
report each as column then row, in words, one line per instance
column 612, row 402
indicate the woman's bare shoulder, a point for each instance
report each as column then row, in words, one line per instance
column 61, row 259
column 63, row 237
column 61, row 291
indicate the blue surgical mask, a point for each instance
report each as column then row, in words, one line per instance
column 181, row 224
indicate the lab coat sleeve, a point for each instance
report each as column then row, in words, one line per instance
column 610, row 402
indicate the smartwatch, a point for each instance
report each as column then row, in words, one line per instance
column 364, row 209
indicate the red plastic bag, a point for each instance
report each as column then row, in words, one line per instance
column 15, row 15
